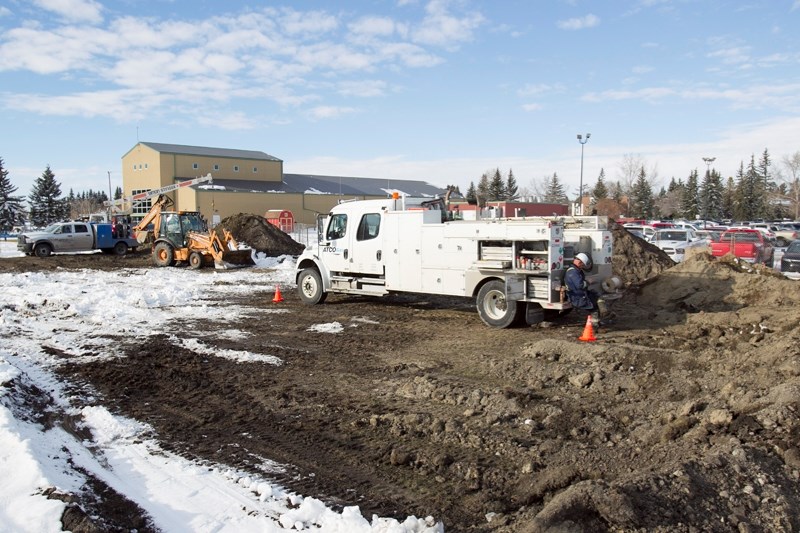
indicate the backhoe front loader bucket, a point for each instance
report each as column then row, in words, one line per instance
column 234, row 259
column 226, row 252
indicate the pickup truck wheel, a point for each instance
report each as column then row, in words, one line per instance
column 493, row 307
column 120, row 248
column 309, row 287
column 195, row 260
column 43, row 250
column 163, row 255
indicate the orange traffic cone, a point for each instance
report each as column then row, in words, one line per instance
column 588, row 331
column 278, row 298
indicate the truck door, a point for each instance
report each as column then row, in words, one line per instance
column 367, row 253
column 335, row 247
column 82, row 238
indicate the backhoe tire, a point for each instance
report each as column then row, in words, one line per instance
column 493, row 307
column 163, row 255
column 195, row 260
column 309, row 287
column 43, row 250
column 120, row 248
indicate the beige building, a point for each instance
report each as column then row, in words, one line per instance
column 246, row 181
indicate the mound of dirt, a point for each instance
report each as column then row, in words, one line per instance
column 636, row 260
column 257, row 233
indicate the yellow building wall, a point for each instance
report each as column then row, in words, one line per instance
column 304, row 207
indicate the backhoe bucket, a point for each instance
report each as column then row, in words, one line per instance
column 234, row 259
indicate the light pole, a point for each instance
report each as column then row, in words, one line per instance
column 708, row 161
column 583, row 140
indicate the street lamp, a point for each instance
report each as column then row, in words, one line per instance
column 583, row 140
column 708, row 161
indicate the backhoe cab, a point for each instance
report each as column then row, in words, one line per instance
column 183, row 236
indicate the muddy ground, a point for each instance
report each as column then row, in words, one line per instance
column 682, row 416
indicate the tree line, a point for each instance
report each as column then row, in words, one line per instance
column 757, row 191
column 45, row 204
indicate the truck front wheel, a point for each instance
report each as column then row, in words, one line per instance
column 195, row 260
column 163, row 255
column 493, row 307
column 309, row 287
column 43, row 250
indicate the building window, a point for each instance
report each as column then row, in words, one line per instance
column 140, row 209
column 216, row 167
column 195, row 166
column 134, row 166
column 145, row 166
column 255, row 169
column 236, row 168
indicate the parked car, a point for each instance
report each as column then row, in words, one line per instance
column 676, row 243
column 647, row 231
column 707, row 235
column 790, row 262
column 749, row 244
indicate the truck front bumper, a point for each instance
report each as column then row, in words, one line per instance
column 25, row 247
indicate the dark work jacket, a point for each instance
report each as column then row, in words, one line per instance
column 577, row 291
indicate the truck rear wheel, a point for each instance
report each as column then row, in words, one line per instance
column 309, row 287
column 493, row 307
column 120, row 248
column 163, row 255
column 43, row 250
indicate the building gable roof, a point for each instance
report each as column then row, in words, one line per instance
column 209, row 151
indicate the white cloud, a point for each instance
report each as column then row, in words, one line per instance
column 326, row 112
column 531, row 107
column 589, row 21
column 74, row 10
column 440, row 28
column 537, row 89
column 311, row 22
column 363, row 88
column 5, row 12
column 373, row 26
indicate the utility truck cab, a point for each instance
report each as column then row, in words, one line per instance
column 513, row 267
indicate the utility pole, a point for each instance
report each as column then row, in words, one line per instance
column 583, row 141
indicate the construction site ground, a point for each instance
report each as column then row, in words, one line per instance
column 681, row 416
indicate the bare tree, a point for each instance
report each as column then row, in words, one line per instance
column 629, row 169
column 791, row 164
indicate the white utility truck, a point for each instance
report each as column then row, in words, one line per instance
column 513, row 267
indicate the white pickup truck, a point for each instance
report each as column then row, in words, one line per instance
column 75, row 236
column 676, row 242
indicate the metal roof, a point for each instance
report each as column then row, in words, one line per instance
column 209, row 152
column 339, row 185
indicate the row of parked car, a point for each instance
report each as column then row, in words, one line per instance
column 754, row 242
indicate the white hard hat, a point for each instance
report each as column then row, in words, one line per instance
column 583, row 258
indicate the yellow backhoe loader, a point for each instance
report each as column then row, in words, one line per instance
column 183, row 236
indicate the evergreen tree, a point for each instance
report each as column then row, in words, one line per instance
column 497, row 189
column 642, row 204
column 728, row 200
column 690, row 207
column 554, row 194
column 483, row 190
column 118, row 193
column 12, row 212
column 46, row 203
column 711, row 193
column 471, row 192
column 600, row 191
column 750, row 195
column 512, row 189
column 767, row 186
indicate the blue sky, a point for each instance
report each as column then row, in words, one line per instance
column 434, row 90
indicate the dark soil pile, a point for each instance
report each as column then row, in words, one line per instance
column 257, row 233
column 636, row 260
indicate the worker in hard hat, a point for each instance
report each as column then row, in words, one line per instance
column 578, row 292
